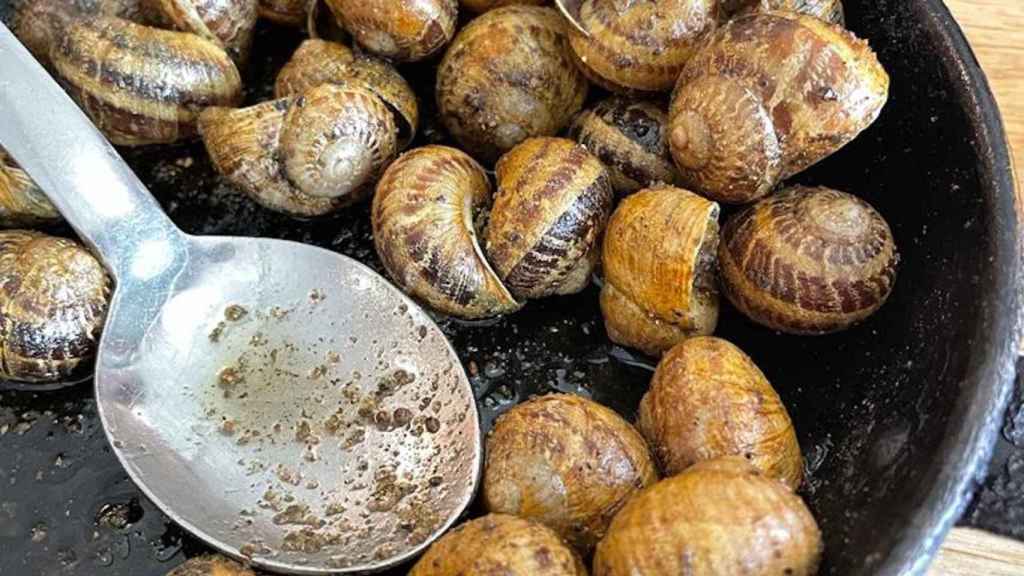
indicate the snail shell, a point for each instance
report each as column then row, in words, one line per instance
column 406, row 30
column 500, row 544
column 426, row 214
column 318, row 62
column 767, row 96
column 210, row 565
column 53, row 299
column 660, row 269
column 509, row 76
column 228, row 23
column 708, row 399
column 640, row 46
column 631, row 139
column 718, row 517
column 481, row 6
column 567, row 462
column 285, row 12
column 808, row 261
column 827, row 10
column 22, row 203
column 553, row 202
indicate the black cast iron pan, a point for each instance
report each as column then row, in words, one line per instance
column 896, row 417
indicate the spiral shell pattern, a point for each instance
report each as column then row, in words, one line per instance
column 808, row 261
column 640, row 46
column 53, row 300
column 228, row 23
column 22, row 203
column 405, row 30
column 828, row 10
column 426, row 213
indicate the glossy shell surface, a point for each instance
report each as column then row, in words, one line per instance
column 405, row 30
column 229, row 23
column 22, row 203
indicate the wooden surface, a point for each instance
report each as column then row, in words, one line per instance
column 969, row 552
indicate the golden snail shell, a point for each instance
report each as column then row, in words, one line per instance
column 631, row 138
column 481, row 6
column 640, row 46
column 318, row 62
column 708, row 399
column 426, row 214
column 744, row 117
column 509, row 76
column 285, row 12
column 827, row 10
column 553, row 202
column 22, row 203
column 210, row 565
column 808, row 261
column 228, row 23
column 660, row 269
column 53, row 299
column 406, row 30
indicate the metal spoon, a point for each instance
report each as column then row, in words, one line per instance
column 282, row 402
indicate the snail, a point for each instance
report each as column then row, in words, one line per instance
column 499, row 544
column 405, row 30
column 139, row 85
column 481, row 6
column 22, row 203
column 718, row 517
column 631, row 138
column 659, row 264
column 508, row 76
column 305, row 155
column 827, row 10
column 767, row 96
column 228, row 23
column 808, row 261
column 640, row 46
column 567, row 462
column 210, row 565
column 708, row 399
column 285, row 12
column 317, row 62
column 53, row 300
column 552, row 204
column 426, row 214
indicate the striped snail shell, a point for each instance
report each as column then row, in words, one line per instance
column 808, row 261
column 827, row 10
column 53, row 294
column 22, row 203
column 767, row 96
column 552, row 205
column 405, row 30
column 211, row 565
column 509, row 76
column 318, row 62
column 481, row 6
column 427, row 211
column 659, row 264
column 637, row 46
column 228, row 23
column 284, row 12
column 631, row 138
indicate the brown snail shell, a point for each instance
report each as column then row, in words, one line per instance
column 659, row 264
column 406, row 30
column 285, row 12
column 481, row 6
column 827, row 10
column 509, row 76
column 808, row 261
column 228, row 23
column 22, row 203
column 744, row 117
column 708, row 399
column 318, row 62
column 566, row 462
column 631, row 138
column 552, row 205
column 426, row 215
column 640, row 46
column 210, row 565
column 53, row 300
column 499, row 544
column 718, row 517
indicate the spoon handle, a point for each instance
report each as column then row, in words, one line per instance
column 81, row 173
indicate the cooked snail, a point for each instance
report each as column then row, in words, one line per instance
column 827, row 10
column 808, row 261
column 286, row 12
column 718, row 517
column 481, row 6
column 508, row 76
column 22, row 203
column 709, row 399
column 660, row 269
column 306, row 155
column 228, row 23
column 631, row 138
column 499, row 544
column 426, row 215
column 211, row 565
column 566, row 462
column 53, row 299
column 767, row 96
column 552, row 204
column 319, row 62
column 406, row 30
column 640, row 46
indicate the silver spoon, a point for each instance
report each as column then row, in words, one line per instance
column 283, row 403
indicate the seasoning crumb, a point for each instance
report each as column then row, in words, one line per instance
column 234, row 312
column 229, row 377
column 217, row 331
